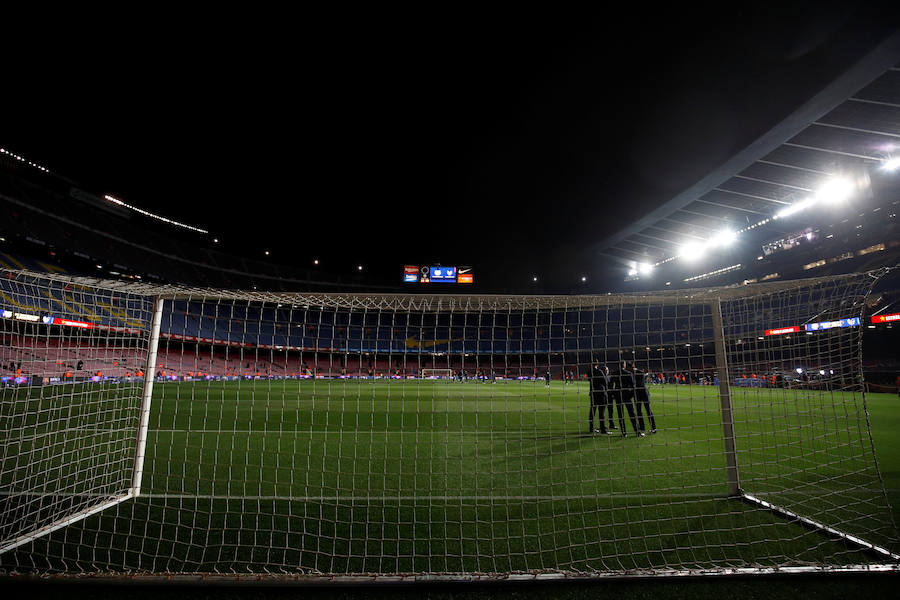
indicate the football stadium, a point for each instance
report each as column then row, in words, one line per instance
column 720, row 409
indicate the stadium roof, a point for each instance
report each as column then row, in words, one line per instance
column 849, row 128
column 521, row 151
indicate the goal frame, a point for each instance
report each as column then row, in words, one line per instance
column 140, row 447
column 734, row 481
column 428, row 373
column 712, row 301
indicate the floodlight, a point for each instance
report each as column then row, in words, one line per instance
column 891, row 164
column 835, row 190
column 724, row 238
column 692, row 251
column 644, row 268
column 632, row 272
column 794, row 208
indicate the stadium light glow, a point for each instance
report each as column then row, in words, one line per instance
column 23, row 160
column 644, row 268
column 714, row 273
column 153, row 216
column 794, row 208
column 892, row 164
column 834, row 191
column 692, row 251
column 725, row 237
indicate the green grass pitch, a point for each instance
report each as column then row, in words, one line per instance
column 358, row 476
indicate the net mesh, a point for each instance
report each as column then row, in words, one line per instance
column 295, row 434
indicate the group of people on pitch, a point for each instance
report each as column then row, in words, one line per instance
column 626, row 387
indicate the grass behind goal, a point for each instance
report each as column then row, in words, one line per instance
column 438, row 476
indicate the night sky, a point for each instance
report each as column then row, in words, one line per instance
column 513, row 142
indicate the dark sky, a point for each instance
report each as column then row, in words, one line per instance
column 511, row 141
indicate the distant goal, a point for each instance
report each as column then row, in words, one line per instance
column 428, row 373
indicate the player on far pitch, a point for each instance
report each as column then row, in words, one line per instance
column 599, row 384
column 642, row 399
column 624, row 395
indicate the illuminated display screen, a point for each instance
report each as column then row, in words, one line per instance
column 853, row 322
column 849, row 322
column 783, row 330
column 410, row 274
column 437, row 274
column 70, row 323
column 886, row 318
column 442, row 274
column 46, row 320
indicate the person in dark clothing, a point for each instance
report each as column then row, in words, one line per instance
column 624, row 396
column 610, row 400
column 642, row 399
column 599, row 384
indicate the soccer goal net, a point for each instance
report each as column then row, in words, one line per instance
column 437, row 373
column 170, row 431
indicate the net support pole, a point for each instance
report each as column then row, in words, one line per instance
column 144, row 419
column 734, row 479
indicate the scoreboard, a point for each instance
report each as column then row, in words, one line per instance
column 437, row 274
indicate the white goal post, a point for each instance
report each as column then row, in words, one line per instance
column 175, row 431
column 33, row 506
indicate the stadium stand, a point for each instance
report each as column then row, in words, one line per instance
column 50, row 214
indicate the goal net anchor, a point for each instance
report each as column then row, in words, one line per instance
column 64, row 522
column 820, row 527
